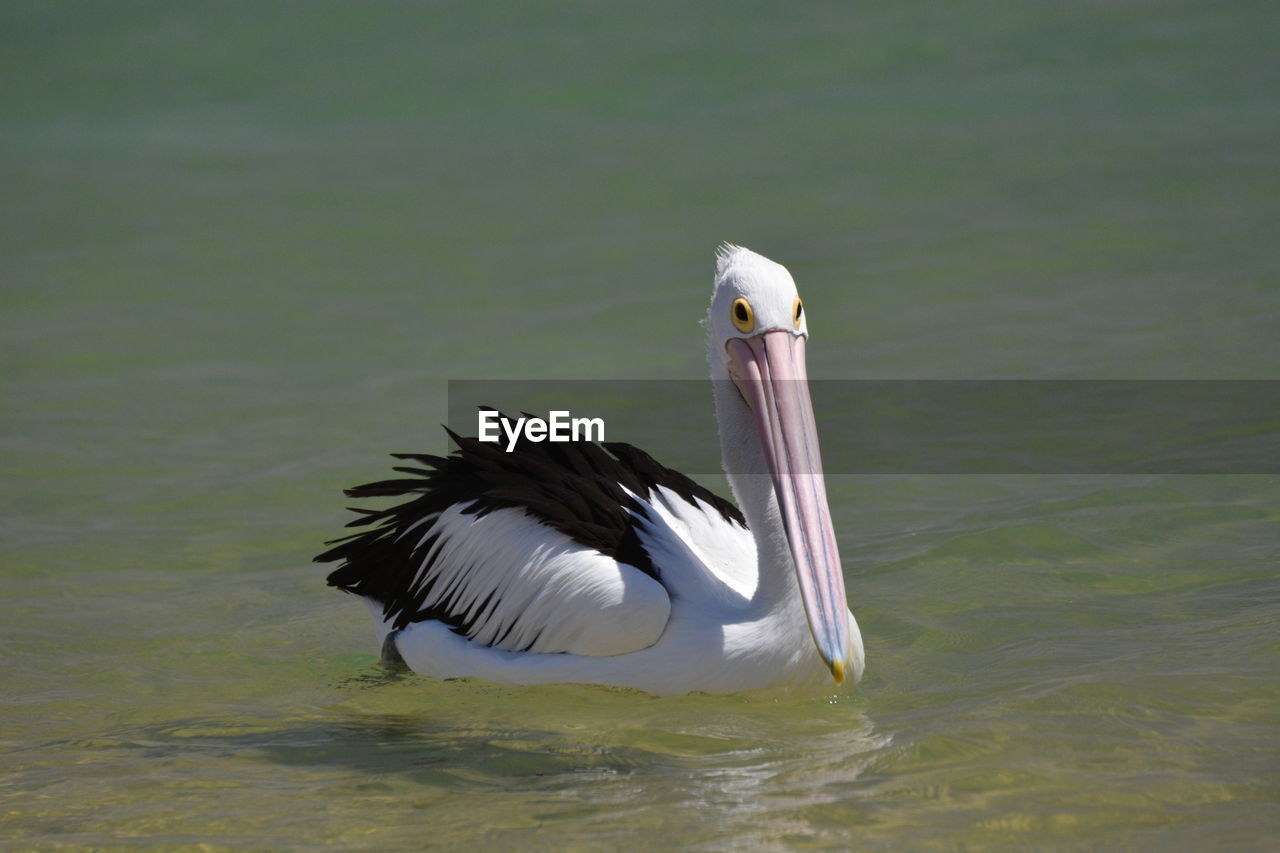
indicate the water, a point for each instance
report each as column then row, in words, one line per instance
column 245, row 248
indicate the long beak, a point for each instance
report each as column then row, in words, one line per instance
column 770, row 373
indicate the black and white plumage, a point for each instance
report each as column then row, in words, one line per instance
column 441, row 557
column 573, row 562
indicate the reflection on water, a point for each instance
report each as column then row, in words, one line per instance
column 463, row 755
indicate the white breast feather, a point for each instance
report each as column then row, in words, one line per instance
column 706, row 541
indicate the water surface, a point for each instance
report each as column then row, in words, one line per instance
column 244, row 249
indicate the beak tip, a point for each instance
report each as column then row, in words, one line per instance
column 837, row 671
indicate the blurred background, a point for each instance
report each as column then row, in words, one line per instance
column 244, row 246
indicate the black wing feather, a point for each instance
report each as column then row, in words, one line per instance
column 574, row 487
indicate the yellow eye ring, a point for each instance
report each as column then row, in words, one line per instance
column 744, row 319
column 797, row 313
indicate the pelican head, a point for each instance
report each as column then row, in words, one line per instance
column 757, row 330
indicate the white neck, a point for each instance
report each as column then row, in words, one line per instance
column 748, row 473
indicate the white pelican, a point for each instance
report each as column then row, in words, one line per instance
column 566, row 563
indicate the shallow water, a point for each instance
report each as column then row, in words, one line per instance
column 240, row 263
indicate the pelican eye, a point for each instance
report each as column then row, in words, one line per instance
column 798, row 312
column 743, row 317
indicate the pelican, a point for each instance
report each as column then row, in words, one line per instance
column 592, row 563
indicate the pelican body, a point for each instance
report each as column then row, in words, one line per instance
column 593, row 563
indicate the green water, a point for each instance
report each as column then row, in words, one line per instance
column 244, row 246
